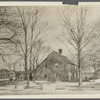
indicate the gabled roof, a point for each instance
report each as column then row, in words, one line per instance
column 64, row 58
column 19, row 72
column 43, row 60
column 12, row 71
column 4, row 70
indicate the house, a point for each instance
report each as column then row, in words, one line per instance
column 97, row 73
column 12, row 75
column 4, row 74
column 88, row 73
column 56, row 67
column 20, row 75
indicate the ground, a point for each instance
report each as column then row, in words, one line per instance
column 42, row 87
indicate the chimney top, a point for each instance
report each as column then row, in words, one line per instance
column 60, row 51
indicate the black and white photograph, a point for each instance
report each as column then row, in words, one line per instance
column 49, row 50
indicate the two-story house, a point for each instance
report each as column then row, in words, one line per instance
column 56, row 67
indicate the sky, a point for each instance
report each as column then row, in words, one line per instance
column 54, row 29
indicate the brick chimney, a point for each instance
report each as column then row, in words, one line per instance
column 60, row 51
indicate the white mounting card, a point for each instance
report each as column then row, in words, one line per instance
column 49, row 50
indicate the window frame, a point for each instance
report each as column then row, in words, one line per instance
column 45, row 76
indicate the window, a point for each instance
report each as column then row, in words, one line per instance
column 57, row 75
column 56, row 65
column 45, row 76
column 45, row 66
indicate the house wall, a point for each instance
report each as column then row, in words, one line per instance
column 45, row 74
column 20, row 76
column 49, row 71
column 12, row 75
column 4, row 74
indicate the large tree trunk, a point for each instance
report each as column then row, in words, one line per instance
column 26, row 59
column 79, row 64
column 80, row 76
column 31, row 76
column 27, row 72
column 34, row 78
column 28, row 81
column 77, row 74
column 93, row 81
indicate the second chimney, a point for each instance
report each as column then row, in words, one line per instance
column 60, row 51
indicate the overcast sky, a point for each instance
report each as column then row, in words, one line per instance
column 51, row 16
column 53, row 32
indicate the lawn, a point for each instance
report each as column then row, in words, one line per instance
column 42, row 88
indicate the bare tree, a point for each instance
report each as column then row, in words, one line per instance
column 29, row 35
column 7, row 36
column 78, row 32
column 40, row 51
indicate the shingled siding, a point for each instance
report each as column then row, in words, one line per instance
column 54, row 68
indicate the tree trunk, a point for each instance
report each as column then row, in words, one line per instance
column 79, row 65
column 26, row 59
column 28, row 81
column 77, row 74
column 80, row 77
column 94, row 81
column 33, row 78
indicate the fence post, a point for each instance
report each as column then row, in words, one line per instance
column 94, row 81
column 16, row 84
